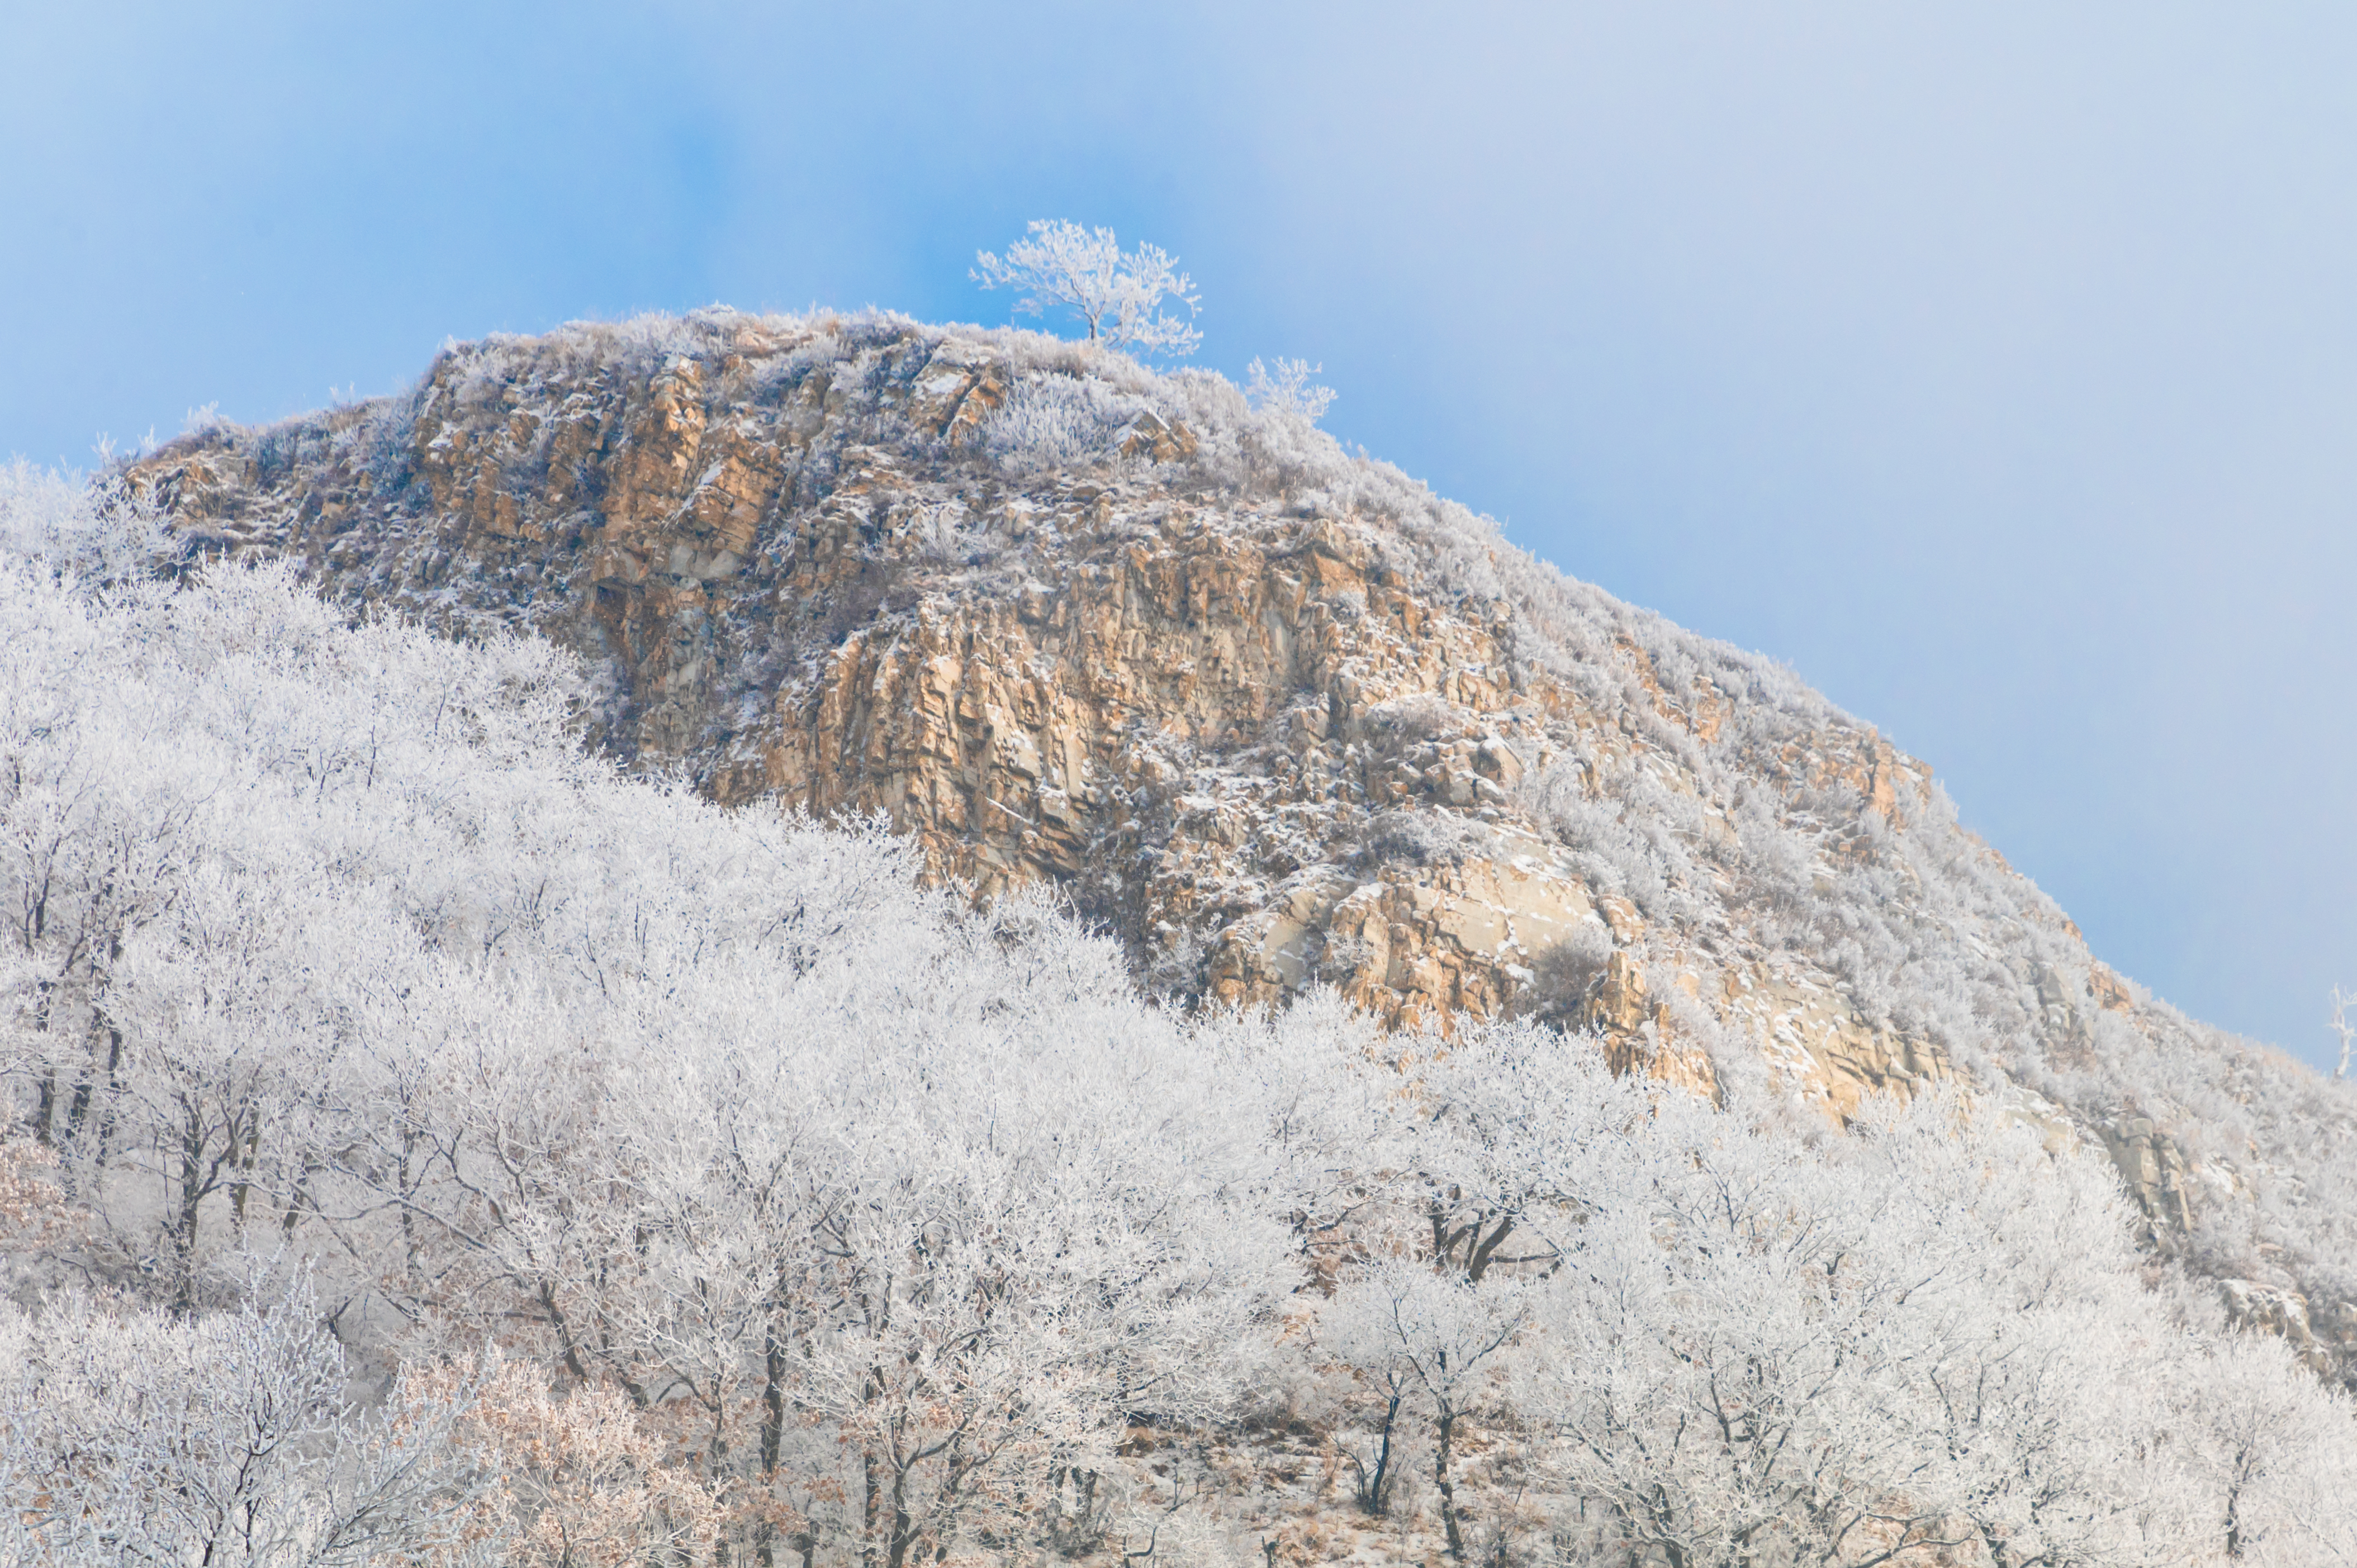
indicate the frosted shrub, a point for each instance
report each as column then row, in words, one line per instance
column 1423, row 838
column 1625, row 833
column 1286, row 389
column 1058, row 421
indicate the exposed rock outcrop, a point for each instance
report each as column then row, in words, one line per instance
column 1253, row 735
column 2152, row 1166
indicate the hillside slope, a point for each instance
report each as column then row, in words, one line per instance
column 1275, row 716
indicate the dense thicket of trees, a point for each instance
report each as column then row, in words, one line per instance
column 428, row 1144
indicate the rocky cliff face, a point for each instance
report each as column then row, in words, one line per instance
column 1279, row 718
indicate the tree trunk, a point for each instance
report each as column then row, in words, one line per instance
column 46, row 1109
column 192, row 1193
column 871, row 1513
column 1446, row 1429
column 1478, row 1261
column 247, row 1146
column 774, row 1432
column 904, row 1531
column 87, row 1084
column 1372, row 1497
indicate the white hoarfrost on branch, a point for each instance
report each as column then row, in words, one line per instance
column 1118, row 294
column 1285, row 387
column 2343, row 1029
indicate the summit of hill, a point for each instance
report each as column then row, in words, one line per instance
column 1275, row 716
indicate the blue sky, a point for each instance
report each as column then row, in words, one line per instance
column 1995, row 365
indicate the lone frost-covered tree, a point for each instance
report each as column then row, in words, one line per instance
column 1116, row 294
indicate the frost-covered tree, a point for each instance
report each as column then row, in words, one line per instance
column 130, row 1436
column 2266, row 1453
column 1116, row 294
column 2342, row 1030
column 1436, row 1336
column 1286, row 388
column 1524, row 1136
column 1729, row 1346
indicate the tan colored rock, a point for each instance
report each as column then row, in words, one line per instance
column 1463, row 939
column 1638, row 1033
column 1811, row 1035
column 2282, row 1313
column 2109, row 990
column 2152, row 1167
column 1151, row 436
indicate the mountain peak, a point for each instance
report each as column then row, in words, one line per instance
column 1275, row 716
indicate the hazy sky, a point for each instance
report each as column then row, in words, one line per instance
column 1994, row 365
